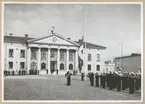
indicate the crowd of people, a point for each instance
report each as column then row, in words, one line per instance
column 116, row 80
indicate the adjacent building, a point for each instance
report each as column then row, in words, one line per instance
column 50, row 53
column 109, row 66
column 130, row 63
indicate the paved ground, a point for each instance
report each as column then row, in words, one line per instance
column 54, row 88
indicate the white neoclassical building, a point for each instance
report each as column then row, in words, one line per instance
column 50, row 53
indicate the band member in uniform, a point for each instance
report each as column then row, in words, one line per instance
column 103, row 80
column 109, row 80
column 91, row 78
column 118, row 81
column 137, row 77
column 97, row 79
column 131, row 83
column 101, row 75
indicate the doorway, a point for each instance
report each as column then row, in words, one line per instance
column 53, row 66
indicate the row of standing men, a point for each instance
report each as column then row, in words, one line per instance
column 118, row 80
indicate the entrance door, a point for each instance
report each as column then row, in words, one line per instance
column 53, row 66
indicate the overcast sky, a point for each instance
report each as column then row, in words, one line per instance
column 106, row 24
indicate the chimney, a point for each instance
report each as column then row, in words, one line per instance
column 68, row 38
column 80, row 40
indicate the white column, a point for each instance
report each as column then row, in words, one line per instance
column 29, row 59
column 48, row 58
column 39, row 59
column 58, row 59
column 67, row 59
column 76, row 60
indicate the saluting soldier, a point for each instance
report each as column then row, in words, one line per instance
column 97, row 79
column 131, row 83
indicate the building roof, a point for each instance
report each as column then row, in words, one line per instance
column 132, row 55
column 24, row 40
column 55, row 34
column 16, row 39
column 90, row 45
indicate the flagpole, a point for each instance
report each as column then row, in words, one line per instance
column 85, row 67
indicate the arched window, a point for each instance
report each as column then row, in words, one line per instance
column 43, row 66
column 61, row 66
column 98, row 67
column 70, row 67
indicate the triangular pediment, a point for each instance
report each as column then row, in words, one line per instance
column 53, row 39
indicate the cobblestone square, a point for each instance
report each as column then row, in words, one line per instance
column 52, row 87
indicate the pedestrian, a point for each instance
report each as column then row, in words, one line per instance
column 131, row 83
column 82, row 76
column 97, row 79
column 57, row 71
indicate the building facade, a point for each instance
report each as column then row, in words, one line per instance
column 131, row 63
column 50, row 53
column 109, row 66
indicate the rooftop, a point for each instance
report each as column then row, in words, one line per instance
column 23, row 40
column 132, row 55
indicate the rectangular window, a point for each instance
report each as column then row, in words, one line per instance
column 53, row 54
column 22, row 65
column 71, row 56
column 22, row 53
column 61, row 56
column 10, row 65
column 98, row 57
column 89, row 67
column 33, row 54
column 89, row 57
column 11, row 52
column 43, row 55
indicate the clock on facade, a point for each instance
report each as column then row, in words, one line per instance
column 54, row 39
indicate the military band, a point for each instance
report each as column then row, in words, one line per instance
column 116, row 80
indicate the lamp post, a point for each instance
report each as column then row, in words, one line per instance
column 121, row 46
column 85, row 52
